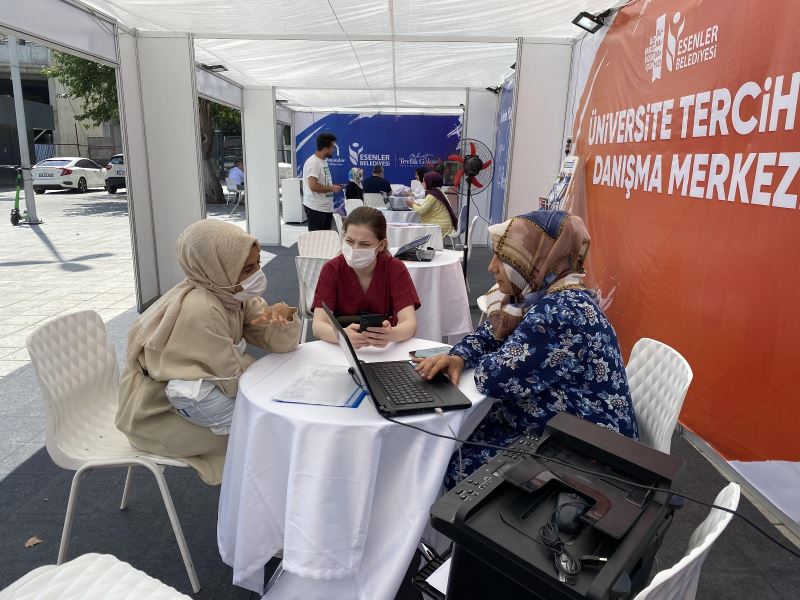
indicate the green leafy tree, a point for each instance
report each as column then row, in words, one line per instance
column 96, row 86
column 93, row 83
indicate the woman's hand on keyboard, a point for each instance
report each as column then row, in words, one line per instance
column 450, row 364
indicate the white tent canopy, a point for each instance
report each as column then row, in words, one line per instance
column 361, row 55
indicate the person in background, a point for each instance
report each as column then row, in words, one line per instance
column 417, row 190
column 353, row 189
column 435, row 209
column 377, row 184
column 194, row 335
column 546, row 346
column 366, row 279
column 237, row 173
column 318, row 188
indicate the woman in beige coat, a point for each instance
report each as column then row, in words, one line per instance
column 192, row 333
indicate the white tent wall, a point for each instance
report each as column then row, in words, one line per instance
column 261, row 162
column 218, row 89
column 538, row 123
column 481, row 116
column 159, row 116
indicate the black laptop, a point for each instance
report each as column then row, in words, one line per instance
column 416, row 250
column 394, row 386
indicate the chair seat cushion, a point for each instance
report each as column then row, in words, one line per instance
column 89, row 577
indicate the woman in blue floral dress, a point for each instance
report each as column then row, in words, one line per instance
column 546, row 346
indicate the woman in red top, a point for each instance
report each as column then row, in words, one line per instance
column 366, row 279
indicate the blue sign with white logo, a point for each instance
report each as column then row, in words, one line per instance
column 398, row 143
column 502, row 141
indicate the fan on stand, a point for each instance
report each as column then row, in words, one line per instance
column 471, row 167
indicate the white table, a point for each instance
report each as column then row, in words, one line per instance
column 443, row 295
column 400, row 216
column 400, row 234
column 345, row 493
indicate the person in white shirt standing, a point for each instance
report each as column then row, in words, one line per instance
column 318, row 189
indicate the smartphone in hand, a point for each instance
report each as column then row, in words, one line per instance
column 366, row 321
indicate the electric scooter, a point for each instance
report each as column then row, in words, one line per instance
column 17, row 216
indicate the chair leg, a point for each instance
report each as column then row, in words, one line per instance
column 71, row 503
column 124, row 504
column 176, row 526
column 304, row 330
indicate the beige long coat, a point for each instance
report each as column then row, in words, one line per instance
column 201, row 346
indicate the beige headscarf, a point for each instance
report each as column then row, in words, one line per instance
column 541, row 251
column 212, row 253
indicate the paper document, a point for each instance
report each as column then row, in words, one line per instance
column 325, row 385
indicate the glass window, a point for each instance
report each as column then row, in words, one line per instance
column 53, row 163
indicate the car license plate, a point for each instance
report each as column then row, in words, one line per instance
column 45, row 174
column 120, row 172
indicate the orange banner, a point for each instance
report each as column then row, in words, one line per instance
column 687, row 133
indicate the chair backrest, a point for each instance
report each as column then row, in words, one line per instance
column 658, row 378
column 462, row 220
column 76, row 368
column 374, row 200
column 230, row 184
column 350, row 204
column 470, row 237
column 308, row 269
column 319, row 244
column 680, row 581
column 337, row 219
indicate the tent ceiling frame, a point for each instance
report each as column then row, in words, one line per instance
column 399, row 88
column 340, row 37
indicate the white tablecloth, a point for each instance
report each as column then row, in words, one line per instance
column 400, row 234
column 400, row 216
column 345, row 493
column 443, row 295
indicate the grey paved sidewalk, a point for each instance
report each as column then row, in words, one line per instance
column 79, row 258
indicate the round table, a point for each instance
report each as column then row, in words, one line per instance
column 400, row 234
column 443, row 295
column 400, row 216
column 345, row 493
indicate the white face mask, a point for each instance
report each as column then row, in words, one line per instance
column 252, row 287
column 358, row 258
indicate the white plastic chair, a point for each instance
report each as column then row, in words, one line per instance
column 374, row 200
column 308, row 269
column 319, row 244
column 232, row 188
column 350, row 204
column 76, row 368
column 337, row 219
column 90, row 577
column 461, row 227
column 680, row 581
column 658, row 378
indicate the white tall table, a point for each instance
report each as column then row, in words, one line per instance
column 443, row 294
column 345, row 493
column 400, row 234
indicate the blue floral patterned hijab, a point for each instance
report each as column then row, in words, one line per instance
column 538, row 250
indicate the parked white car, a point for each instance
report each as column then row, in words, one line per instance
column 67, row 172
column 115, row 174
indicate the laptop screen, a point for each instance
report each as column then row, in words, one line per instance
column 347, row 348
column 413, row 245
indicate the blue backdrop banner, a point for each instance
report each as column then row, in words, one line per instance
column 502, row 141
column 400, row 143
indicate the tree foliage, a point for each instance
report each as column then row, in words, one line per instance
column 93, row 83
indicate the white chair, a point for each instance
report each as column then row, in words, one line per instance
column 319, row 244
column 350, row 204
column 90, row 577
column 461, row 227
column 680, row 581
column 308, row 269
column 658, row 378
column 76, row 368
column 483, row 308
column 337, row 219
column 375, row 200
column 232, row 189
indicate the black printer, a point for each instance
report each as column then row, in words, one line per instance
column 495, row 516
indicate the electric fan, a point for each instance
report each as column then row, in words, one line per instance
column 471, row 166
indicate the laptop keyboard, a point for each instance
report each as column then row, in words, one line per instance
column 400, row 383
